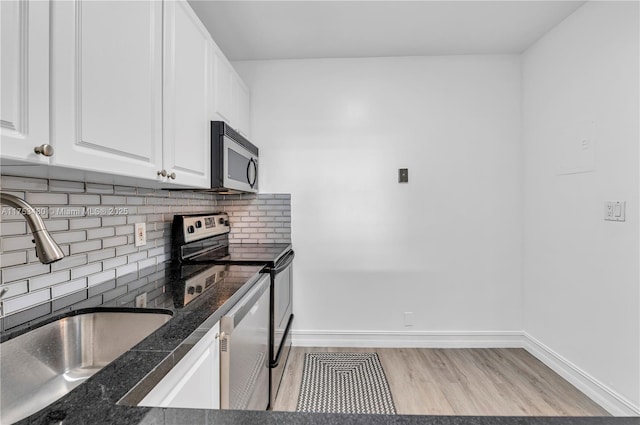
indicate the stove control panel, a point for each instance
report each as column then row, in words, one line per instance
column 191, row 228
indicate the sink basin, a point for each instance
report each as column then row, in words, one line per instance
column 44, row 364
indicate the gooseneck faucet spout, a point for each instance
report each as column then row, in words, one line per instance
column 46, row 248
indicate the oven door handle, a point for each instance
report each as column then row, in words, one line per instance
column 286, row 262
column 276, row 361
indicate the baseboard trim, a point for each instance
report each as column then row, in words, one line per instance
column 408, row 339
column 610, row 400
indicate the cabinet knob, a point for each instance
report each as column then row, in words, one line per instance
column 221, row 335
column 162, row 173
column 46, row 150
column 172, row 175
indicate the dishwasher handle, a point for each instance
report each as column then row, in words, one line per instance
column 238, row 312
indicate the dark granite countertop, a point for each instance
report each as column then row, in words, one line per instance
column 96, row 400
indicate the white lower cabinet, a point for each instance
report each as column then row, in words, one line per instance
column 195, row 381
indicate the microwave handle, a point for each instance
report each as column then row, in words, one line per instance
column 255, row 172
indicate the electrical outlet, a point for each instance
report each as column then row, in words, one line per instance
column 408, row 318
column 141, row 234
column 614, row 210
column 141, row 300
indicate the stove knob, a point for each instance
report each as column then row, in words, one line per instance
column 198, row 224
column 221, row 220
column 190, row 291
column 191, row 229
column 198, row 289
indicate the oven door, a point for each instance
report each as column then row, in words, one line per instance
column 240, row 167
column 282, row 319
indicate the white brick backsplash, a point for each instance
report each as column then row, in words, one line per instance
column 97, row 278
column 68, row 237
column 23, row 183
column 129, row 268
column 67, row 212
column 21, row 272
column 99, row 188
column 103, row 232
column 13, row 258
column 125, row 230
column 68, row 287
column 65, row 186
column 124, row 190
column 115, row 241
column 99, row 243
column 47, row 198
column 101, row 255
column 113, row 263
column 69, row 262
column 48, row 280
column 114, row 220
column 113, row 200
column 13, row 228
column 84, row 199
column 84, row 223
column 86, row 270
column 20, row 303
column 56, row 225
column 85, row 246
column 16, row 288
column 17, row 243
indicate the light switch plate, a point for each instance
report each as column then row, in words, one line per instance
column 403, row 175
column 614, row 210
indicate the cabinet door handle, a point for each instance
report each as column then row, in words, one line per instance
column 162, row 173
column 172, row 175
column 221, row 335
column 46, row 150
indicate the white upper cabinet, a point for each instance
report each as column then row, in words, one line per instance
column 242, row 100
column 188, row 63
column 24, row 82
column 107, row 86
column 231, row 95
column 223, row 87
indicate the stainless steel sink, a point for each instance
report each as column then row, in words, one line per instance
column 42, row 365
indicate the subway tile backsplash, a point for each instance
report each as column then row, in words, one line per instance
column 94, row 226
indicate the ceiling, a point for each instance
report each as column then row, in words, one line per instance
column 258, row 30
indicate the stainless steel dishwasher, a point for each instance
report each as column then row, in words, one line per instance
column 244, row 351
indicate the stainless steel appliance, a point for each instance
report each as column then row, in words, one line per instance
column 234, row 161
column 244, row 352
column 203, row 239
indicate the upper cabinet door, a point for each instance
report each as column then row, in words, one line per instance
column 223, row 76
column 24, row 82
column 188, row 62
column 242, row 103
column 107, row 86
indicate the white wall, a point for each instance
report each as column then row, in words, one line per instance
column 446, row 246
column 581, row 278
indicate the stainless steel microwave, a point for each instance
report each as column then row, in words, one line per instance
column 234, row 161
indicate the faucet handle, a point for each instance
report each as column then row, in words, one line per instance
column 46, row 150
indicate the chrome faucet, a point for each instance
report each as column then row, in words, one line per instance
column 47, row 250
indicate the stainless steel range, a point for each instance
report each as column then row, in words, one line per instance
column 204, row 239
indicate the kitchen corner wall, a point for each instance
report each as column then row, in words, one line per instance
column 94, row 226
column 445, row 247
column 581, row 273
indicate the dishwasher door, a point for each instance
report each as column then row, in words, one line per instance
column 244, row 354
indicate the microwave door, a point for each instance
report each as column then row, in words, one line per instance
column 240, row 167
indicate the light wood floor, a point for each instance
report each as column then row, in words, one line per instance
column 491, row 382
